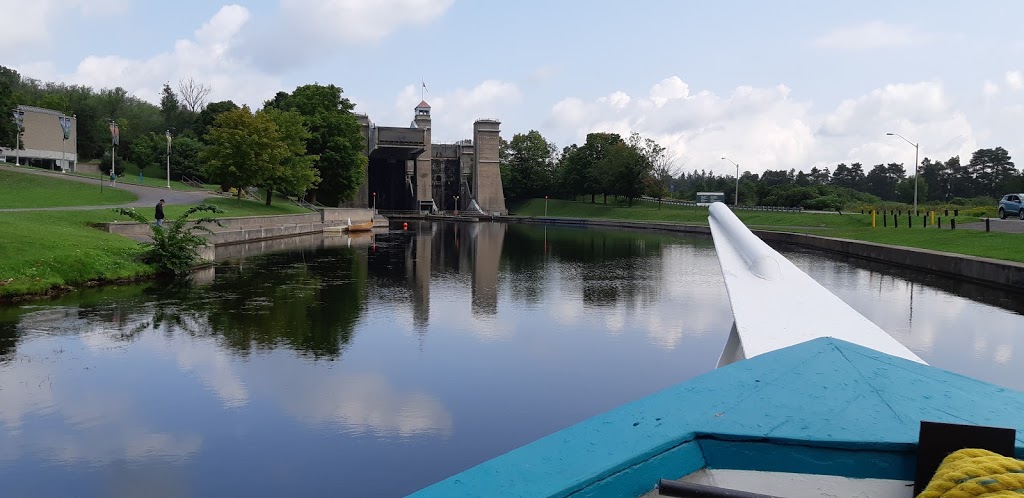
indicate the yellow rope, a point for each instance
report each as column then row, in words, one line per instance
column 972, row 473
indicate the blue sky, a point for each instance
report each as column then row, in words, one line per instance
column 771, row 85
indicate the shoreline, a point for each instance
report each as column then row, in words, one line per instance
column 991, row 272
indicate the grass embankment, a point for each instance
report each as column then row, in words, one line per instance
column 852, row 226
column 19, row 190
column 151, row 177
column 45, row 250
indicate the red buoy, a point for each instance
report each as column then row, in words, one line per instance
column 405, row 226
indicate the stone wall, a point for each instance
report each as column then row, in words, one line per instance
column 254, row 228
column 487, row 186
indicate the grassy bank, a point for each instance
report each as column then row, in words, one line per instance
column 152, row 177
column 43, row 250
column 30, row 191
column 848, row 226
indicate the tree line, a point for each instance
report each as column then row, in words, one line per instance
column 608, row 164
column 305, row 143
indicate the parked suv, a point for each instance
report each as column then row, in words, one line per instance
column 1011, row 205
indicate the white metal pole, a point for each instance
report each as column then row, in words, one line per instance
column 736, row 202
column 17, row 148
column 168, row 159
column 113, row 172
column 916, row 174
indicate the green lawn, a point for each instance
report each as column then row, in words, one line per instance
column 152, row 177
column 233, row 207
column 848, row 226
column 20, row 190
column 40, row 250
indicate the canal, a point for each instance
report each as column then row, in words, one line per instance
column 377, row 365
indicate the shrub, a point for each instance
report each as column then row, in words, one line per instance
column 173, row 249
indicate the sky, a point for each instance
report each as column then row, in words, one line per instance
column 770, row 85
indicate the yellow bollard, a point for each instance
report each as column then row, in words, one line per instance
column 933, row 218
column 872, row 218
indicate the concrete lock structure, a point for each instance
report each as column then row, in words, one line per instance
column 406, row 172
column 42, row 141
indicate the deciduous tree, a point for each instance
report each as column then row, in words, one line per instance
column 334, row 138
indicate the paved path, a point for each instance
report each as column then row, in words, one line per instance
column 148, row 196
column 1009, row 225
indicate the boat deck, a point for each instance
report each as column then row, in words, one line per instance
column 821, row 407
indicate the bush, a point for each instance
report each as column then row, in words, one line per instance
column 981, row 212
column 824, row 203
column 173, row 249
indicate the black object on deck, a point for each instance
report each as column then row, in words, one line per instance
column 937, row 440
column 692, row 490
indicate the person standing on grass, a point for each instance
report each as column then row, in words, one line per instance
column 160, row 213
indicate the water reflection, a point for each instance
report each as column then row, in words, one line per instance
column 377, row 365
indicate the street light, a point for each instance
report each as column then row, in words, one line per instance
column 737, row 201
column 168, row 158
column 917, row 150
column 456, row 204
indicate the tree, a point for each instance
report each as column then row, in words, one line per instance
column 185, row 157
column 881, row 181
column 9, row 79
column 293, row 173
column 335, row 139
column 147, row 150
column 905, row 190
column 527, row 165
column 169, row 107
column 193, row 94
column 243, row 146
column 993, row 171
column 958, row 176
column 209, row 114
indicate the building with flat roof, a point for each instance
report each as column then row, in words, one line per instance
column 44, row 141
column 407, row 171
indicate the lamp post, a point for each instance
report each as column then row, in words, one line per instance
column 456, row 205
column 375, row 203
column 917, row 151
column 545, row 205
column 168, row 159
column 737, row 201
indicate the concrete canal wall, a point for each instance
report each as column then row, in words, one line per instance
column 257, row 228
column 1004, row 274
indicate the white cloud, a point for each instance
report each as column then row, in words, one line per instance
column 767, row 128
column 36, row 20
column 990, row 89
column 668, row 89
column 453, row 112
column 871, row 35
column 355, row 21
column 307, row 30
column 209, row 57
column 1015, row 80
column 922, row 112
column 762, row 125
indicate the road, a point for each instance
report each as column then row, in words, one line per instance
column 148, row 196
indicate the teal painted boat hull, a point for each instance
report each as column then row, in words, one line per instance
column 824, row 406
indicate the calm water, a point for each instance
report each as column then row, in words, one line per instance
column 378, row 365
